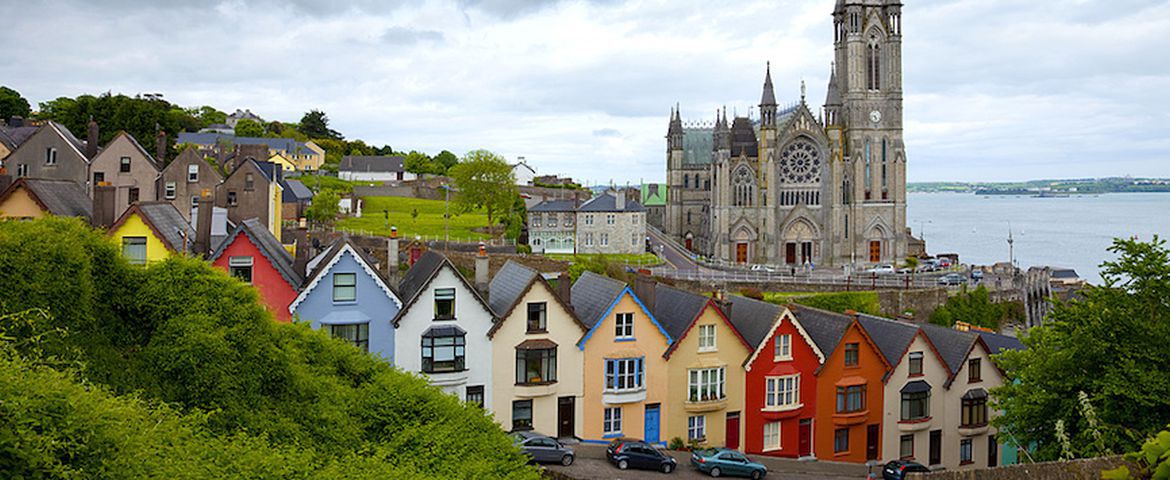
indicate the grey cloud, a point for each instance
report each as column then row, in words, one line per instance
column 403, row 36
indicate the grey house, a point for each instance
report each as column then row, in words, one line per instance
column 185, row 179
column 127, row 167
column 52, row 152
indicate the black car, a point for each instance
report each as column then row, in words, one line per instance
column 631, row 453
column 897, row 469
column 543, row 448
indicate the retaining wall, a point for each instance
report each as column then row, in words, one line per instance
column 1085, row 469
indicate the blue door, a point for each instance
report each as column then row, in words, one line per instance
column 652, row 423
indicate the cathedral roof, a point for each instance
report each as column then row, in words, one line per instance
column 833, row 97
column 697, row 145
column 743, row 138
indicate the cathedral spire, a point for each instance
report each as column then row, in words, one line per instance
column 674, row 134
column 769, row 97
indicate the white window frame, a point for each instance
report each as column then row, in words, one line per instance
column 707, row 338
column 624, row 326
column 782, row 393
column 588, row 219
column 605, row 239
column 783, row 348
column 192, row 173
column 706, row 384
column 612, row 423
column 588, row 239
column 169, row 190
column 50, row 156
column 609, row 219
column 772, row 436
column 697, row 427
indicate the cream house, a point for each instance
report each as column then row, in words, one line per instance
column 536, row 335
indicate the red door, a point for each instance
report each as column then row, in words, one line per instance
column 790, row 253
column 690, row 244
column 806, row 437
column 733, row 430
column 741, row 253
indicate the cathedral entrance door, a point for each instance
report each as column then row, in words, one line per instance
column 806, row 255
column 790, row 253
column 690, row 244
column 875, row 251
column 741, row 253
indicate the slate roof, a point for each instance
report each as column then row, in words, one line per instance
column 371, row 163
column 891, row 337
column 676, row 309
column 592, row 296
column 753, row 318
column 420, row 274
column 1065, row 273
column 63, row 198
column 508, row 286
column 268, row 245
column 698, row 143
column 824, row 327
column 14, row 137
column 998, row 343
column 80, row 145
column 295, row 191
column 769, row 95
column 165, row 220
column 953, row 345
column 211, row 138
column 743, row 138
column 607, row 202
column 318, row 263
column 554, row 206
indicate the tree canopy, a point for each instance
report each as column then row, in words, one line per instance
column 485, row 180
column 1111, row 343
column 975, row 307
column 12, row 104
column 176, row 367
column 247, row 127
column 315, row 124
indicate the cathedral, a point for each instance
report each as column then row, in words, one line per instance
column 793, row 188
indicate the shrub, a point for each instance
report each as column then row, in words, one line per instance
column 676, row 443
column 752, row 292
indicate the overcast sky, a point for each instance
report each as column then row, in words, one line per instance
column 995, row 89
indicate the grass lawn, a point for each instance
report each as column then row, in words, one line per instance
column 864, row 301
column 631, row 258
column 428, row 224
column 317, row 183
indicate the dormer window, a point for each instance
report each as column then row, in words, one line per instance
column 124, row 165
column 444, row 304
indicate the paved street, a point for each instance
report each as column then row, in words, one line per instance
column 591, row 465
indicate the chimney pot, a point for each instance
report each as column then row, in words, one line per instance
column 481, row 268
column 302, row 251
column 203, row 219
column 91, row 140
column 565, row 287
column 104, row 197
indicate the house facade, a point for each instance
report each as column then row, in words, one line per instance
column 705, row 375
column 536, row 334
column 969, row 441
column 625, row 373
column 346, row 297
column 442, row 330
column 252, row 190
column 373, row 168
column 185, row 179
column 30, row 198
column 152, row 231
column 251, row 254
column 552, row 227
column 127, row 167
column 52, row 152
column 308, row 156
column 849, row 428
column 609, row 224
column 915, row 414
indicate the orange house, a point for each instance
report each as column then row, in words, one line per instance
column 849, row 390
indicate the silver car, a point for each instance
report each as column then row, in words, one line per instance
column 543, row 448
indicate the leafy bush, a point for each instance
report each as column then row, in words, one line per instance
column 676, row 443
column 840, row 302
column 975, row 307
column 1153, row 461
column 182, row 333
column 752, row 292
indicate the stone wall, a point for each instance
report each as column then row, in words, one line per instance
column 922, row 303
column 1077, row 469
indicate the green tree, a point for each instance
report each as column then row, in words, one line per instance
column 485, row 180
column 207, row 116
column 315, row 124
column 12, row 104
column 1112, row 344
column 324, row 208
column 974, row 307
column 140, row 116
column 249, row 128
column 419, row 163
column 445, row 160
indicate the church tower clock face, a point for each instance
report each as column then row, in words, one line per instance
column 800, row 163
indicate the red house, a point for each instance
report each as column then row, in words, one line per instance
column 790, row 344
column 252, row 254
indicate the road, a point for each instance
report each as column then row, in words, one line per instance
column 591, row 465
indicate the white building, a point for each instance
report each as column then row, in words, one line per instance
column 373, row 168
column 524, row 172
column 442, row 330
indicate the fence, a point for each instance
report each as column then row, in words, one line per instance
column 870, row 282
column 436, row 239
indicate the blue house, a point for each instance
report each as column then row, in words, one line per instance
column 345, row 296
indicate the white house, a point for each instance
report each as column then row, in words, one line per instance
column 373, row 168
column 442, row 330
column 524, row 173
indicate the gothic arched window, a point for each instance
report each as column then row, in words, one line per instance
column 686, row 181
column 884, row 176
column 873, row 65
column 868, row 169
column 743, row 187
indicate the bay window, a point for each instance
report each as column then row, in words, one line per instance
column 782, row 391
column 706, row 384
column 623, row 374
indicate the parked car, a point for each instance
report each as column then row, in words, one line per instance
column 976, row 274
column 883, row 269
column 897, row 469
column 543, row 448
column 721, row 461
column 632, row 453
column 944, row 263
column 952, row 279
column 763, row 269
column 928, row 265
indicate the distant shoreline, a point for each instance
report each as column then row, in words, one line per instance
column 1049, row 188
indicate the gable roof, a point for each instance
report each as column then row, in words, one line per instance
column 14, row 137
column 891, row 337
column 997, row 343
column 554, row 206
column 325, row 262
column 371, row 163
column 191, row 156
column 594, row 296
column 952, row 345
column 420, row 275
column 295, row 191
column 63, row 198
column 137, row 146
column 509, row 286
column 753, row 318
column 825, row 328
column 212, row 138
column 268, row 245
column 165, row 221
column 678, row 310
column 63, row 131
column 607, row 202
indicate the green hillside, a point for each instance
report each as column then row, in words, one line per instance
column 428, row 223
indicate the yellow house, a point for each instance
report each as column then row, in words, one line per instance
column 706, row 377
column 625, row 372
column 311, row 161
column 29, row 198
column 152, row 231
column 537, row 383
column 284, row 162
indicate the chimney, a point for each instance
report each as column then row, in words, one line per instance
column 392, row 255
column 91, row 140
column 302, row 250
column 104, row 197
column 160, row 148
column 565, row 287
column 645, row 288
column 619, row 200
column 481, row 268
column 725, row 305
column 203, row 227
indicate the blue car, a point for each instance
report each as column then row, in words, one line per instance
column 721, row 461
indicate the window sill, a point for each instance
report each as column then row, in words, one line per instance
column 625, row 339
column 705, row 405
column 968, row 462
column 345, row 302
column 612, row 435
column 977, row 380
column 914, row 425
column 973, row 430
column 783, row 408
column 782, row 359
column 708, row 350
column 615, row 397
column 443, row 319
column 536, row 332
column 915, row 375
